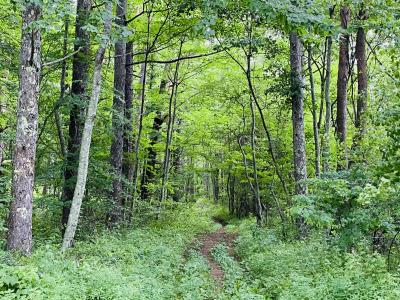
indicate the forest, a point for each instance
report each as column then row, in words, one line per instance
column 199, row 149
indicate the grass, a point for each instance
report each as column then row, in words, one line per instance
column 143, row 263
column 157, row 261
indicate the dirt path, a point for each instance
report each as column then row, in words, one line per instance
column 208, row 242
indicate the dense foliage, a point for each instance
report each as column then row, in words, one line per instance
column 155, row 261
column 280, row 118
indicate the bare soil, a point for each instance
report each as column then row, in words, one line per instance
column 208, row 242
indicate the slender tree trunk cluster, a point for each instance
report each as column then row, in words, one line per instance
column 170, row 127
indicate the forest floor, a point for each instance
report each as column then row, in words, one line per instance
column 191, row 253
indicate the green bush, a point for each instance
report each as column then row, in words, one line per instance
column 351, row 208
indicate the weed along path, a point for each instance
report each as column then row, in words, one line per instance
column 208, row 242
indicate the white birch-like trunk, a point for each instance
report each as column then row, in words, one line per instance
column 87, row 135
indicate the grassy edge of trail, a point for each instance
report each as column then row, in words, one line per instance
column 269, row 267
column 148, row 262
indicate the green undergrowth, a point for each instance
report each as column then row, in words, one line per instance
column 237, row 283
column 141, row 263
column 158, row 261
column 311, row 268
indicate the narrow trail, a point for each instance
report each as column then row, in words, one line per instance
column 209, row 241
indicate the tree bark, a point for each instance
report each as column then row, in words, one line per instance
column 215, row 182
column 87, row 134
column 314, row 113
column 20, row 216
column 80, row 70
column 117, row 144
column 231, row 193
column 328, row 111
column 362, row 78
column 57, row 116
column 299, row 144
column 343, row 74
column 257, row 199
column 2, row 153
column 150, row 168
column 177, row 166
column 142, row 95
column 127, row 163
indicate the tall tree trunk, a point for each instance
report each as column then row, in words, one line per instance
column 87, row 134
column 327, row 96
column 80, row 69
column 3, row 143
column 177, row 164
column 149, row 171
column 255, row 186
column 20, row 216
column 257, row 199
column 171, row 119
column 328, row 111
column 117, row 144
column 322, row 76
column 314, row 113
column 127, row 163
column 142, row 96
column 57, row 116
column 231, row 193
column 299, row 144
column 362, row 78
column 2, row 152
column 343, row 74
column 215, row 181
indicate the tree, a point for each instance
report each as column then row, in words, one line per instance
column 362, row 76
column 297, row 95
column 328, row 105
column 127, row 163
column 170, row 127
column 117, row 145
column 256, row 187
column 80, row 70
column 87, row 133
column 314, row 113
column 20, row 216
column 343, row 75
